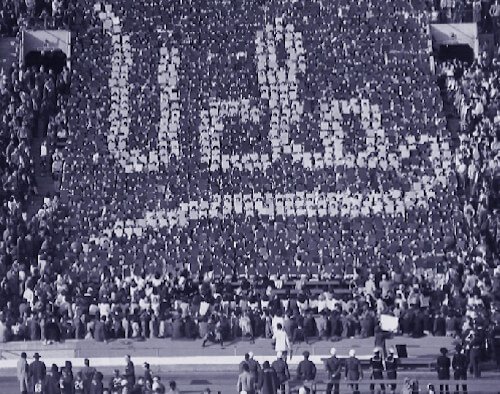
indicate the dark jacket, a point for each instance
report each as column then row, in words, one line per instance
column 51, row 385
column 391, row 366
column 281, row 368
column 254, row 369
column 130, row 373
column 353, row 369
column 306, row 370
column 334, row 368
column 96, row 387
column 99, row 331
column 443, row 367
column 460, row 363
column 269, row 381
column 37, row 371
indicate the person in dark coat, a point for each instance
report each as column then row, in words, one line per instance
column 254, row 368
column 418, row 325
column 129, row 371
column 51, row 384
column 306, row 372
column 37, row 371
column 100, row 330
column 66, row 382
column 459, row 364
column 282, row 372
column 439, row 326
column 177, row 327
column 310, row 327
column 269, row 380
column 377, row 368
column 88, row 373
column 474, row 353
column 333, row 367
column 52, row 331
column 391, row 367
column 148, row 377
column 443, row 369
column 353, row 370
column 97, row 386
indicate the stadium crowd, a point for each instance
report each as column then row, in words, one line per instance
column 54, row 286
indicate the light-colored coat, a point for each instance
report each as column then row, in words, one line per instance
column 23, row 375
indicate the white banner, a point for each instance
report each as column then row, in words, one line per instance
column 389, row 323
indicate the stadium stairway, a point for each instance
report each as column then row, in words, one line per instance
column 44, row 181
column 7, row 53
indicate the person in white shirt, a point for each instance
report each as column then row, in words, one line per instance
column 281, row 341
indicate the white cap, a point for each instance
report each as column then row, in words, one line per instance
column 352, row 353
column 333, row 351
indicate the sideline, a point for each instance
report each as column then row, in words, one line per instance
column 167, row 361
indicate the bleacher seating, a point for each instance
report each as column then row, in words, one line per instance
column 280, row 140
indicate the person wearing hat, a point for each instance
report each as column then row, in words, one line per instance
column 23, row 373
column 148, row 377
column 306, row 372
column 377, row 367
column 115, row 383
column 443, row 369
column 459, row 364
column 353, row 371
column 37, row 370
column 333, row 367
column 282, row 372
column 97, row 387
column 391, row 367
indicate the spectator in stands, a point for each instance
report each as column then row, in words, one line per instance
column 97, row 386
column 114, row 386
